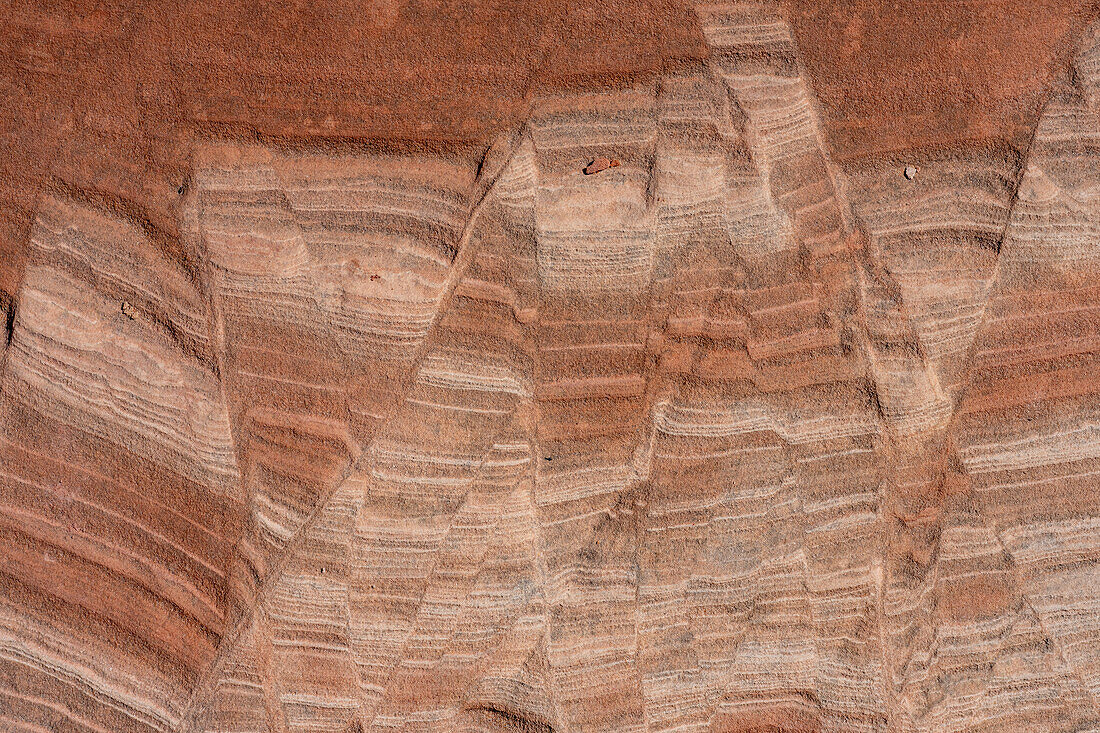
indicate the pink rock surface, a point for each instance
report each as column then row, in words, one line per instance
column 752, row 431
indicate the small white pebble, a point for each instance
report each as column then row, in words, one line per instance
column 910, row 172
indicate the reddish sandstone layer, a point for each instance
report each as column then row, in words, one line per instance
column 316, row 418
column 105, row 99
column 891, row 76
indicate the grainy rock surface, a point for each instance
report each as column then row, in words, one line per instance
column 339, row 391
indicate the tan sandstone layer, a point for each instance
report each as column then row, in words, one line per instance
column 753, row 431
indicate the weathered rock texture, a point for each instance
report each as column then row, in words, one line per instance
column 304, row 429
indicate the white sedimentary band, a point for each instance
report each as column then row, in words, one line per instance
column 119, row 493
column 1028, row 425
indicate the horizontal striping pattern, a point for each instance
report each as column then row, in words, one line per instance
column 1027, row 425
column 120, row 499
column 342, row 262
column 596, row 246
column 713, row 436
column 939, row 235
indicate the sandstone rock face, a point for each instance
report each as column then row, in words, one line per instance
column 773, row 425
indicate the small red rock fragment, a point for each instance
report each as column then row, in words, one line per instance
column 600, row 164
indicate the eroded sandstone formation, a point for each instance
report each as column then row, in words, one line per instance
column 777, row 424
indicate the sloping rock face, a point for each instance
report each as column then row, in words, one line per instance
column 748, row 432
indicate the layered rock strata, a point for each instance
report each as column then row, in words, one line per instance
column 724, row 437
